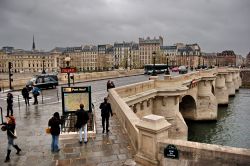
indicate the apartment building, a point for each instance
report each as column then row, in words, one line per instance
column 125, row 55
column 147, row 47
column 27, row 61
column 226, row 58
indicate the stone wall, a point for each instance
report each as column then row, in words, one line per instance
column 194, row 153
column 126, row 116
column 20, row 80
column 245, row 76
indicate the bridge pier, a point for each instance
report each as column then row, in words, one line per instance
column 235, row 81
column 206, row 101
column 168, row 107
column 230, row 84
column 221, row 92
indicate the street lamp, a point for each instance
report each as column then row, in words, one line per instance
column 167, row 71
column 199, row 62
column 67, row 59
column 154, row 72
column 43, row 72
column 130, row 59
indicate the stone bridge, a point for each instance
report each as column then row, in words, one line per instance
column 193, row 96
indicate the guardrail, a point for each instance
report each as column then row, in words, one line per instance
column 43, row 98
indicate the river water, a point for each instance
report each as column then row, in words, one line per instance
column 232, row 127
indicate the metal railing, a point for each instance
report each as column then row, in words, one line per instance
column 19, row 101
column 70, row 121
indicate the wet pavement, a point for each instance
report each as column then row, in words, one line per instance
column 105, row 149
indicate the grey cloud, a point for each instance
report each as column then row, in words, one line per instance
column 214, row 24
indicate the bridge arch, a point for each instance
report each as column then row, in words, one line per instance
column 187, row 107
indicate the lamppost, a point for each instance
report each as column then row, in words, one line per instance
column 130, row 59
column 43, row 72
column 67, row 59
column 154, row 72
column 199, row 62
column 167, row 71
column 203, row 66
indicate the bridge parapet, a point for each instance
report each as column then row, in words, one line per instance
column 189, row 96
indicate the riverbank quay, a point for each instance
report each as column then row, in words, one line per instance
column 21, row 79
column 245, row 76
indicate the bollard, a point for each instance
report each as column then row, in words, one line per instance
column 18, row 102
column 1, row 114
column 57, row 95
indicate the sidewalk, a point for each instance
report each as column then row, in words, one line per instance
column 112, row 149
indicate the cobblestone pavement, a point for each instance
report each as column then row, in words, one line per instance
column 105, row 149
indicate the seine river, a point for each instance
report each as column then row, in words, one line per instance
column 232, row 127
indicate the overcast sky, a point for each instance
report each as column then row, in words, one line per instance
column 216, row 25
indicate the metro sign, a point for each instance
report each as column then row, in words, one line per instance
column 68, row 70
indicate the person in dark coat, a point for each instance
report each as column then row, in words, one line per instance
column 106, row 111
column 108, row 85
column 112, row 85
column 81, row 123
column 10, row 128
column 25, row 93
column 9, row 104
column 54, row 124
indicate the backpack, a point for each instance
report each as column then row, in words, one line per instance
column 36, row 91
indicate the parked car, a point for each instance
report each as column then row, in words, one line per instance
column 183, row 70
column 175, row 69
column 43, row 81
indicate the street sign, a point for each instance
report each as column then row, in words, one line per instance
column 171, row 152
column 68, row 70
column 72, row 97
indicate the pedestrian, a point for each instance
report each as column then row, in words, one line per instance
column 54, row 124
column 9, row 104
column 81, row 123
column 105, row 113
column 108, row 85
column 112, row 84
column 25, row 93
column 36, row 92
column 10, row 128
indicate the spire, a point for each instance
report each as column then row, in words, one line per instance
column 33, row 45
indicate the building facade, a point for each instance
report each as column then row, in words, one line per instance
column 226, row 58
column 147, row 47
column 27, row 61
column 125, row 55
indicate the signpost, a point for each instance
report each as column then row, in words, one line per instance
column 68, row 70
column 171, row 152
column 72, row 97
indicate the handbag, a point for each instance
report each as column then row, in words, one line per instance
column 48, row 130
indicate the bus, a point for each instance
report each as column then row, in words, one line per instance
column 159, row 68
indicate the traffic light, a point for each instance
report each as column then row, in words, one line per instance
column 10, row 65
column 10, row 76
